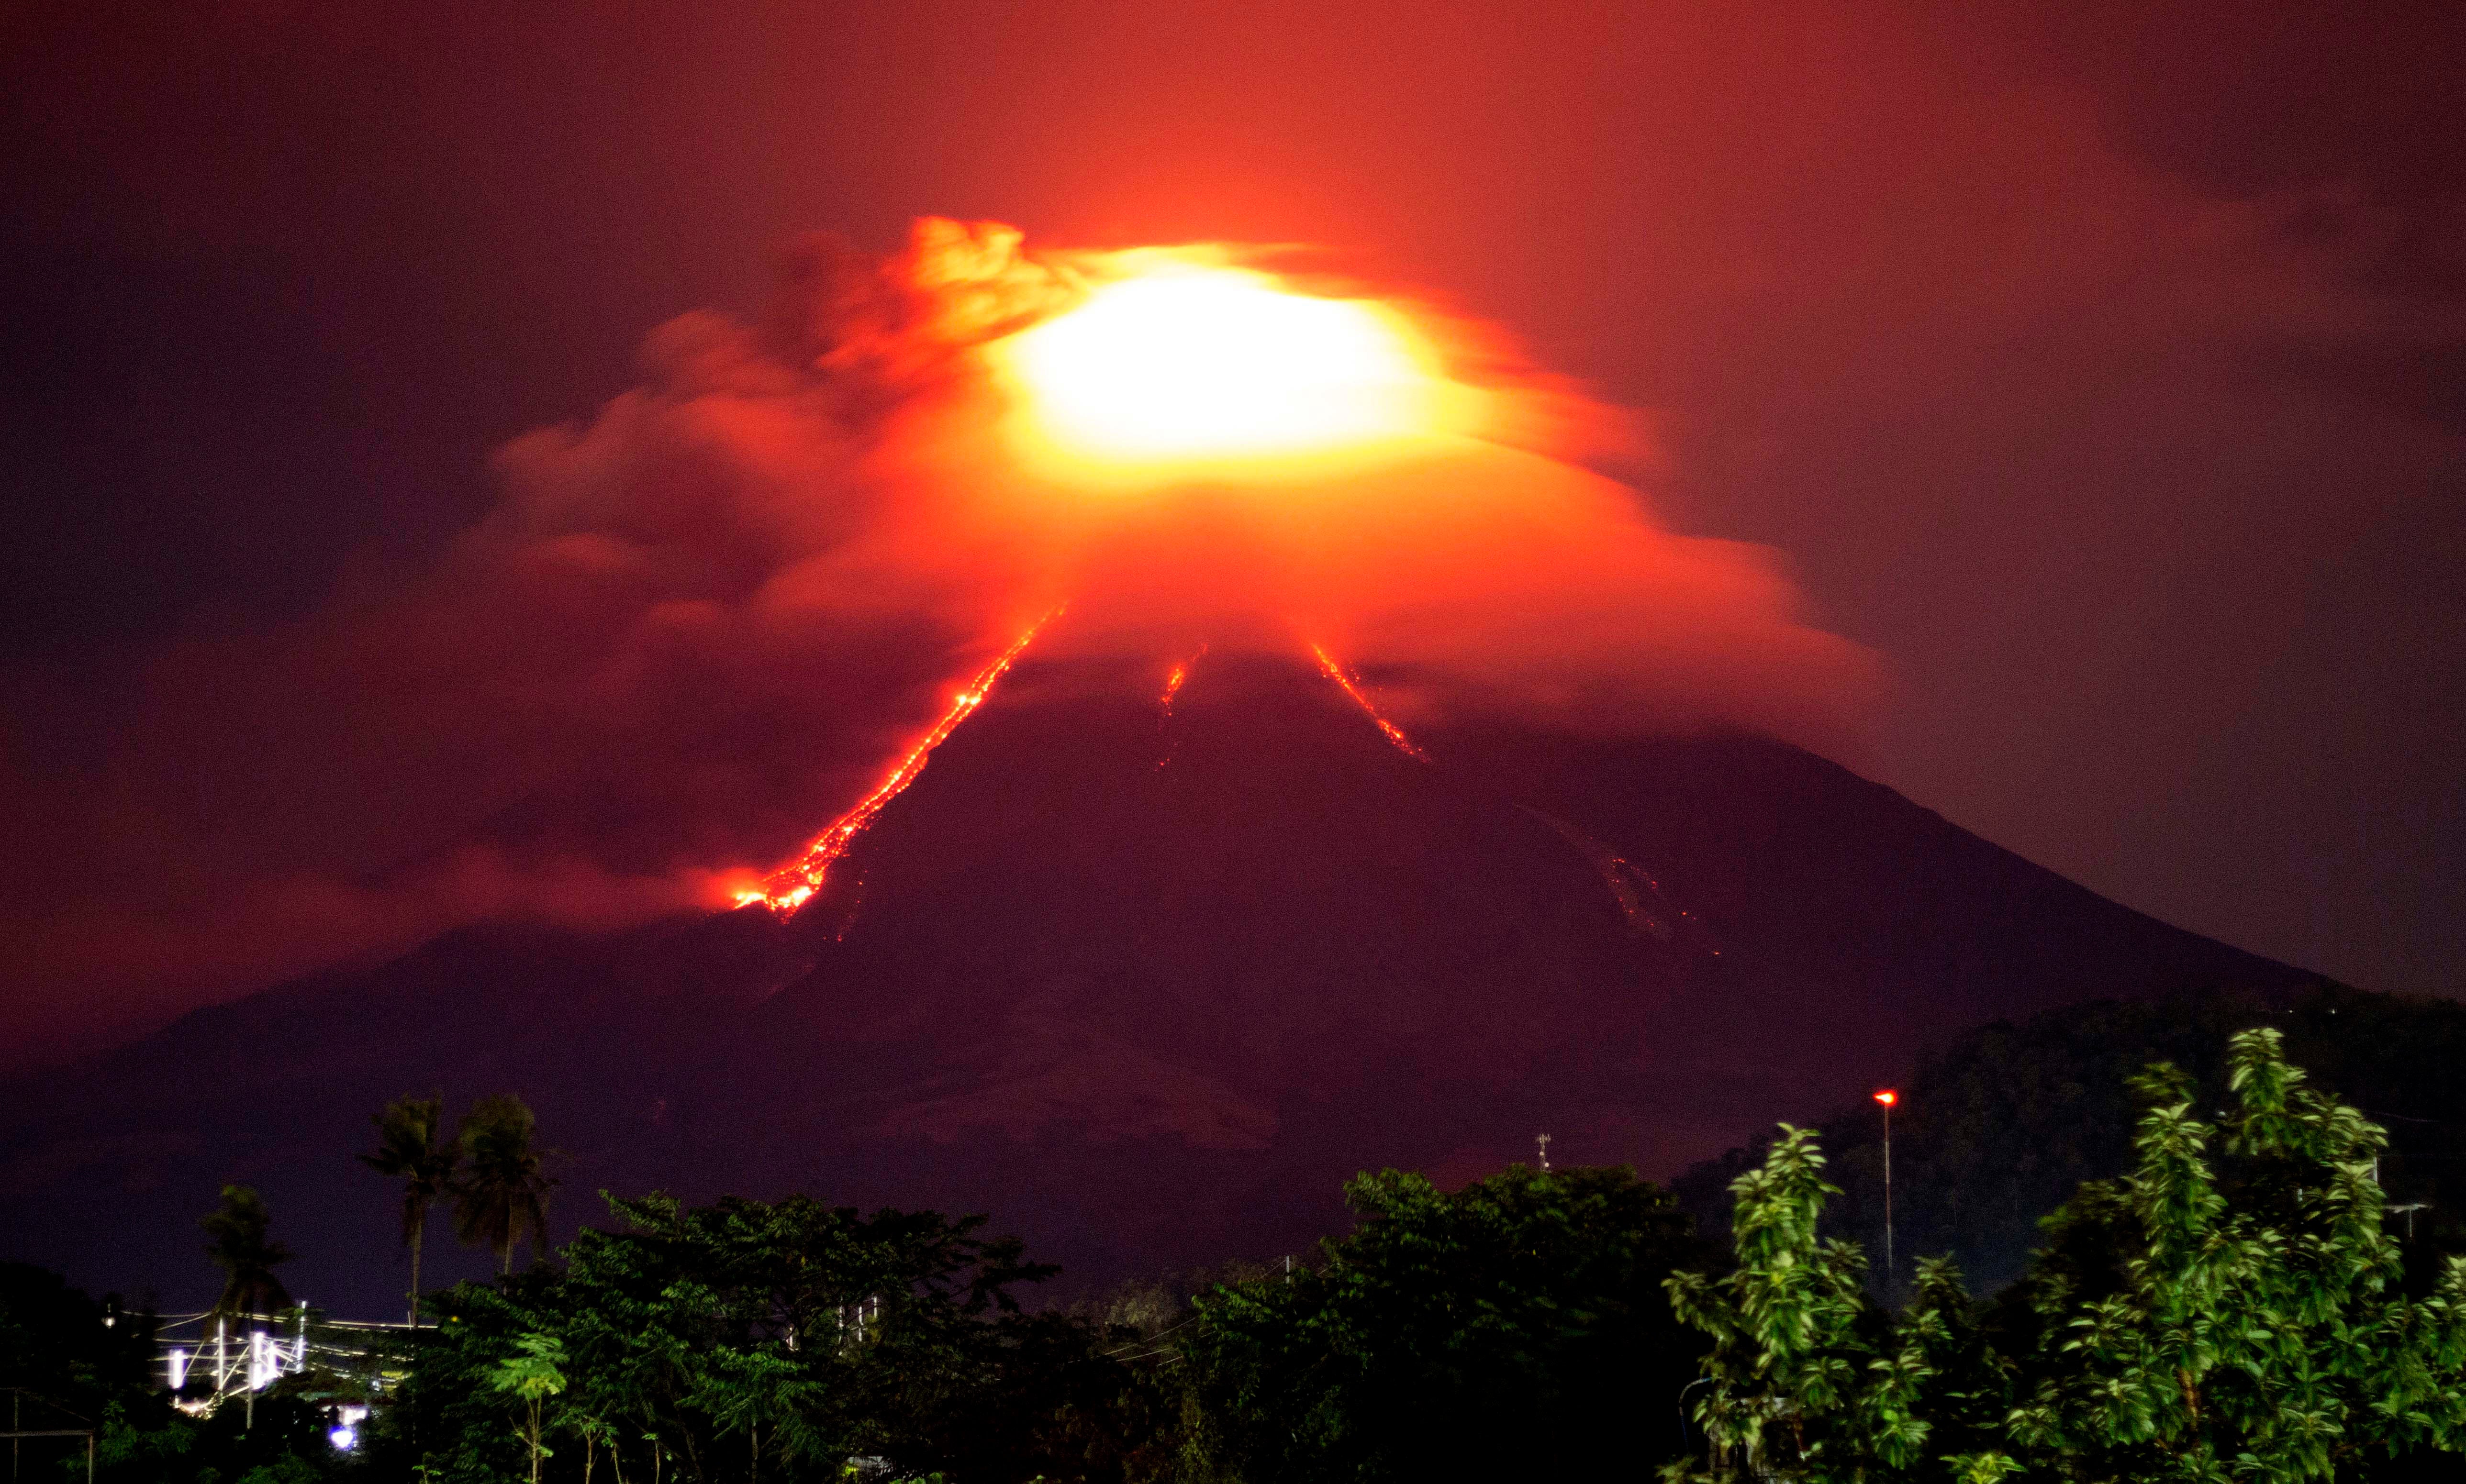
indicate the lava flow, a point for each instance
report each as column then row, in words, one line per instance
column 1394, row 733
column 785, row 891
column 1178, row 677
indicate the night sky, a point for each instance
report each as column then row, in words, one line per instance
column 2101, row 367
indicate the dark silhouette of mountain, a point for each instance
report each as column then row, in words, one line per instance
column 1147, row 982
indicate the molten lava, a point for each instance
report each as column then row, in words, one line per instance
column 1191, row 361
column 785, row 891
column 1179, row 675
column 1345, row 683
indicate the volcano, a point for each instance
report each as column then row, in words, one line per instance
column 1145, row 963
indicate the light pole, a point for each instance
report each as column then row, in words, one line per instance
column 1886, row 1098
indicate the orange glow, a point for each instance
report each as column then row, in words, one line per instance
column 1394, row 733
column 1174, row 679
column 1189, row 360
column 1887, row 1098
column 785, row 891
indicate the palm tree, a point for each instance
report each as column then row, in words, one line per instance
column 501, row 1197
column 238, row 1244
column 409, row 1149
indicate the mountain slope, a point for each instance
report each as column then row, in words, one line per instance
column 1146, row 979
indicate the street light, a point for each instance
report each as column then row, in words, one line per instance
column 1886, row 1098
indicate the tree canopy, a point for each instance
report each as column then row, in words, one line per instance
column 2009, row 1119
column 1513, row 1326
column 2231, row 1309
column 752, row 1339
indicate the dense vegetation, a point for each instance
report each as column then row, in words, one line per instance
column 2001, row 1126
column 2231, row 1309
column 749, row 1339
column 1510, row 1324
column 1507, row 1330
column 2226, row 1291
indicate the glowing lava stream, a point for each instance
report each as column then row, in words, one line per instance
column 1395, row 734
column 1178, row 677
column 785, row 891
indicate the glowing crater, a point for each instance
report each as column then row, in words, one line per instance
column 1189, row 362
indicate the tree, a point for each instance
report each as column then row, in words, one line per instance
column 2009, row 1119
column 531, row 1375
column 1790, row 1346
column 762, row 1342
column 411, row 1147
column 237, row 1243
column 500, row 1197
column 1511, row 1328
column 2231, row 1310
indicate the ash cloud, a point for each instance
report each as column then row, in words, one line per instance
column 693, row 628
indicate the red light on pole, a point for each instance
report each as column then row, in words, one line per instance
column 1887, row 1098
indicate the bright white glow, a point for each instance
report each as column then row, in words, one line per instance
column 344, row 1438
column 179, row 1368
column 1192, row 362
column 264, row 1362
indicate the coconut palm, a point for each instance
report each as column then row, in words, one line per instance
column 500, row 1197
column 238, row 1244
column 411, row 1148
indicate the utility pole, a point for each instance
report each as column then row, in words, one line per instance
column 1541, row 1142
column 2407, row 1210
column 1886, row 1098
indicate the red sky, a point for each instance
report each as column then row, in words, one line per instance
column 2100, row 367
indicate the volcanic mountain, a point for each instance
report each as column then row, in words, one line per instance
column 1145, row 967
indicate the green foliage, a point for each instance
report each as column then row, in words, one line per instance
column 533, row 1374
column 2231, row 1310
column 1514, row 1326
column 2242, row 1314
column 753, row 1340
column 2009, row 1119
column 1790, row 1348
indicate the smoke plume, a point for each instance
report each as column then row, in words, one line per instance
column 693, row 627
